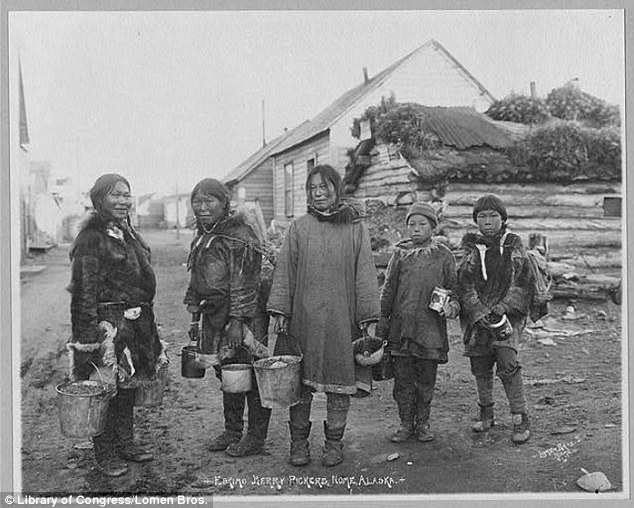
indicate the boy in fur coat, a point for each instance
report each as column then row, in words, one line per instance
column 494, row 281
column 417, row 335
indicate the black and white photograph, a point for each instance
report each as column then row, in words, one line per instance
column 327, row 254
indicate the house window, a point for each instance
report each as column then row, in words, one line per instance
column 310, row 164
column 288, row 189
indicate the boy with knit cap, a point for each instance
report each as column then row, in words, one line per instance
column 494, row 287
column 417, row 334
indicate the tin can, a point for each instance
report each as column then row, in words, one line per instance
column 439, row 297
column 503, row 328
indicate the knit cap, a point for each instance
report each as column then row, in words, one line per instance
column 424, row 209
column 489, row 202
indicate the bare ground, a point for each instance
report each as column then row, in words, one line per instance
column 574, row 390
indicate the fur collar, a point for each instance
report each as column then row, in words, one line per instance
column 234, row 227
column 472, row 239
column 234, row 224
column 349, row 210
column 409, row 248
column 97, row 225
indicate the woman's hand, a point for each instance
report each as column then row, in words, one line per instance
column 383, row 327
column 193, row 332
column 234, row 333
column 280, row 323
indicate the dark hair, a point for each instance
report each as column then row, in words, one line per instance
column 212, row 187
column 330, row 176
column 489, row 202
column 104, row 186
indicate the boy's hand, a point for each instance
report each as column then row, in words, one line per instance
column 449, row 310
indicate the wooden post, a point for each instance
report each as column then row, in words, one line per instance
column 539, row 242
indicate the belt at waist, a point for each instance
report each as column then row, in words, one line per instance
column 123, row 305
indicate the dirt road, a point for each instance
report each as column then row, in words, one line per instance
column 574, row 390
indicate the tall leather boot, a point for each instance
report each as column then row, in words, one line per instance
column 233, row 409
column 299, row 426
column 333, row 447
column 252, row 443
column 108, row 463
column 124, row 429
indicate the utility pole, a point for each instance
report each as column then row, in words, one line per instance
column 263, row 128
column 178, row 218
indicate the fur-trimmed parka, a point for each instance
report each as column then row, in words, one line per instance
column 111, row 272
column 225, row 272
column 494, row 271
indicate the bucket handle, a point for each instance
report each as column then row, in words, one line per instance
column 103, row 383
column 286, row 334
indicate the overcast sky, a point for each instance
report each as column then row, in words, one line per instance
column 167, row 98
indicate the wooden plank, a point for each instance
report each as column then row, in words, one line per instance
column 544, row 225
column 559, row 241
column 593, row 188
column 528, row 211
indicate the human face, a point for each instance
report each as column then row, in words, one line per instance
column 207, row 208
column 118, row 202
column 420, row 229
column 489, row 222
column 322, row 195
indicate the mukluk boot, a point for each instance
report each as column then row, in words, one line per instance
column 233, row 410
column 521, row 428
column 403, row 433
column 300, row 449
column 486, row 419
column 333, row 447
column 108, row 462
column 126, row 447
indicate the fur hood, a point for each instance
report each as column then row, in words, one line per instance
column 95, row 229
column 234, row 227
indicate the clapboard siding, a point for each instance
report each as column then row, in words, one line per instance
column 318, row 149
column 259, row 187
column 432, row 79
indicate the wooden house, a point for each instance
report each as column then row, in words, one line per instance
column 177, row 211
column 252, row 180
column 428, row 75
column 583, row 227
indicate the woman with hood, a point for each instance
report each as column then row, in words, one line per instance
column 222, row 297
column 324, row 294
column 112, row 289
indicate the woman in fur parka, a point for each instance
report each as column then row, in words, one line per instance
column 224, row 300
column 112, row 288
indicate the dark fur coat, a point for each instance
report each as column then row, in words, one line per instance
column 111, row 272
column 225, row 268
column 493, row 272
